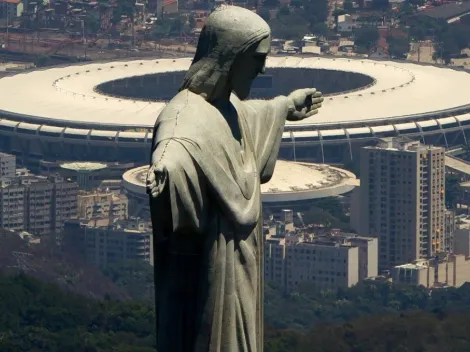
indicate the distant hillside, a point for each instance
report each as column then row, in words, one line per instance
column 36, row 316
column 46, row 262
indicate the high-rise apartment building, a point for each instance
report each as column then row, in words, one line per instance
column 402, row 200
column 7, row 165
column 64, row 202
column 12, row 205
column 37, row 204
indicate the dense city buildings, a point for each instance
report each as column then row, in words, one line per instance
column 402, row 200
column 108, row 243
column 37, row 204
column 294, row 257
column 102, row 204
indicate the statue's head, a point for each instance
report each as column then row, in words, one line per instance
column 231, row 51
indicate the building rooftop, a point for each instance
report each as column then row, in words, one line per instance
column 291, row 181
column 401, row 144
column 84, row 166
column 448, row 11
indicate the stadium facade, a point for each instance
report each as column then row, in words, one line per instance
column 82, row 112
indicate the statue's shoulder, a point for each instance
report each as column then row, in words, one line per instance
column 184, row 103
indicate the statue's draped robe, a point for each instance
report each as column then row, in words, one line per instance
column 208, row 224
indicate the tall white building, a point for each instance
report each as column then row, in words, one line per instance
column 402, row 200
column 37, row 204
column 7, row 165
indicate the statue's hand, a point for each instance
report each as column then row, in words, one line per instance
column 157, row 178
column 306, row 102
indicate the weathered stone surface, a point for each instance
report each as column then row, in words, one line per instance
column 211, row 150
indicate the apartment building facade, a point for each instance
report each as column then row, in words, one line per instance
column 36, row 204
column 7, row 165
column 325, row 262
column 105, row 245
column 12, row 205
column 102, row 204
column 402, row 200
column 445, row 270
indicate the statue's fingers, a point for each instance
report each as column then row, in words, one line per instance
column 161, row 176
column 150, row 187
column 310, row 91
column 316, row 106
column 311, row 113
column 317, row 100
column 150, row 177
column 317, row 94
column 297, row 116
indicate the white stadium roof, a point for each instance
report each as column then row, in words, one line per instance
column 67, row 93
column 291, row 181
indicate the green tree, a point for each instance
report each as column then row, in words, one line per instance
column 284, row 11
column 366, row 37
column 291, row 27
column 398, row 47
column 136, row 277
column 92, row 22
column 265, row 14
column 348, row 6
column 380, row 4
column 125, row 8
column 315, row 11
column 321, row 29
column 270, row 4
column 42, row 60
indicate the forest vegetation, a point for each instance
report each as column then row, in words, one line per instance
column 373, row 316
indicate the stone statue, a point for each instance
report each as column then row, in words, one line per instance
column 211, row 151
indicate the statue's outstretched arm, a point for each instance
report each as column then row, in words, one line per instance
column 176, row 186
column 299, row 105
column 306, row 103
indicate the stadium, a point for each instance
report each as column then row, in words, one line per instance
column 294, row 185
column 105, row 111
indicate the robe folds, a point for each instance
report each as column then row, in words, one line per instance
column 208, row 237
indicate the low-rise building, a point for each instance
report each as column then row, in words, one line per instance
column 102, row 204
column 107, row 244
column 11, row 9
column 326, row 262
column 345, row 23
column 443, row 271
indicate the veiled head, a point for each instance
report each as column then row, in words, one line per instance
column 232, row 50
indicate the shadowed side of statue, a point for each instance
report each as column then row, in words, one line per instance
column 211, row 151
